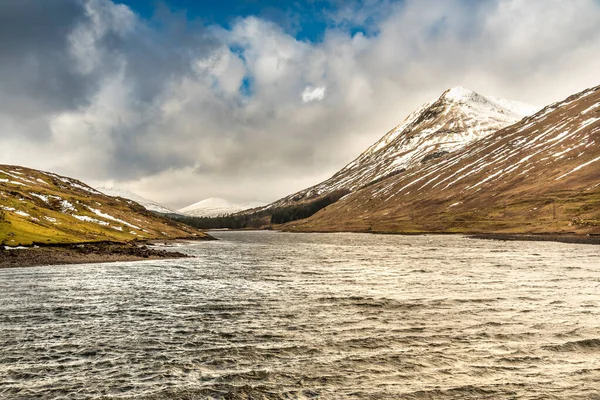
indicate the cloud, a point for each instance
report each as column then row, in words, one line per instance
column 313, row 94
column 179, row 111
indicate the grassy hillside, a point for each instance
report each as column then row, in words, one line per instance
column 41, row 207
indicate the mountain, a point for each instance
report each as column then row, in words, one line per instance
column 147, row 204
column 213, row 207
column 539, row 175
column 447, row 124
column 42, row 207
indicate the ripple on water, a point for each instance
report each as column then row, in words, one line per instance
column 264, row 315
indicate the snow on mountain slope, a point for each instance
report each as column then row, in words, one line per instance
column 459, row 117
column 147, row 204
column 213, row 207
column 537, row 176
column 42, row 207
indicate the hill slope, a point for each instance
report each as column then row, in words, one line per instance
column 42, row 207
column 539, row 175
column 149, row 205
column 459, row 117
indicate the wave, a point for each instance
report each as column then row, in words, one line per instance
column 578, row 345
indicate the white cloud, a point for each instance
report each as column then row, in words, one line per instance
column 313, row 93
column 215, row 113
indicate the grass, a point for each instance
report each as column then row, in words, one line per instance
column 561, row 212
column 39, row 207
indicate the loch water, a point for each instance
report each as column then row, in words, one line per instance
column 268, row 315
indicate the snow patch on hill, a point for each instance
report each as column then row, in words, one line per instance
column 146, row 203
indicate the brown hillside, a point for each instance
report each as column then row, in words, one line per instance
column 458, row 117
column 537, row 176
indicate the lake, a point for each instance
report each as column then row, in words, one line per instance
column 268, row 315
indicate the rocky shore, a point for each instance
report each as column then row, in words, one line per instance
column 81, row 254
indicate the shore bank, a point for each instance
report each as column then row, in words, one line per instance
column 573, row 238
column 542, row 237
column 81, row 254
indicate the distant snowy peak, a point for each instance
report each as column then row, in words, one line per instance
column 147, row 204
column 457, row 118
column 214, row 207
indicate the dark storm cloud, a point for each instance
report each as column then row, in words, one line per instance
column 58, row 56
column 35, row 69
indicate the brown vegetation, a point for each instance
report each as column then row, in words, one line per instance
column 537, row 176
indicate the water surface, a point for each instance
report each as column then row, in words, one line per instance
column 336, row 316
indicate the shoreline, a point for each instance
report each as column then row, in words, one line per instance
column 82, row 253
column 569, row 238
column 105, row 252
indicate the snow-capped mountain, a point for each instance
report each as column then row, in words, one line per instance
column 538, row 175
column 213, row 207
column 147, row 204
column 447, row 124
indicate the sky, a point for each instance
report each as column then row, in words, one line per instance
column 253, row 100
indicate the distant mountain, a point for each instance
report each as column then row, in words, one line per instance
column 43, row 207
column 213, row 207
column 149, row 205
column 537, row 176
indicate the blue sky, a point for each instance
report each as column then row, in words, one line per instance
column 305, row 20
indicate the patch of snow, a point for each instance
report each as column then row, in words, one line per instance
column 110, row 217
column 578, row 168
column 146, row 203
column 85, row 218
column 42, row 197
column 587, row 110
column 66, row 206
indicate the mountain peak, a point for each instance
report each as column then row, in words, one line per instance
column 460, row 94
column 452, row 121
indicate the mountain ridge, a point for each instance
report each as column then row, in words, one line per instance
column 536, row 176
column 458, row 117
column 148, row 204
